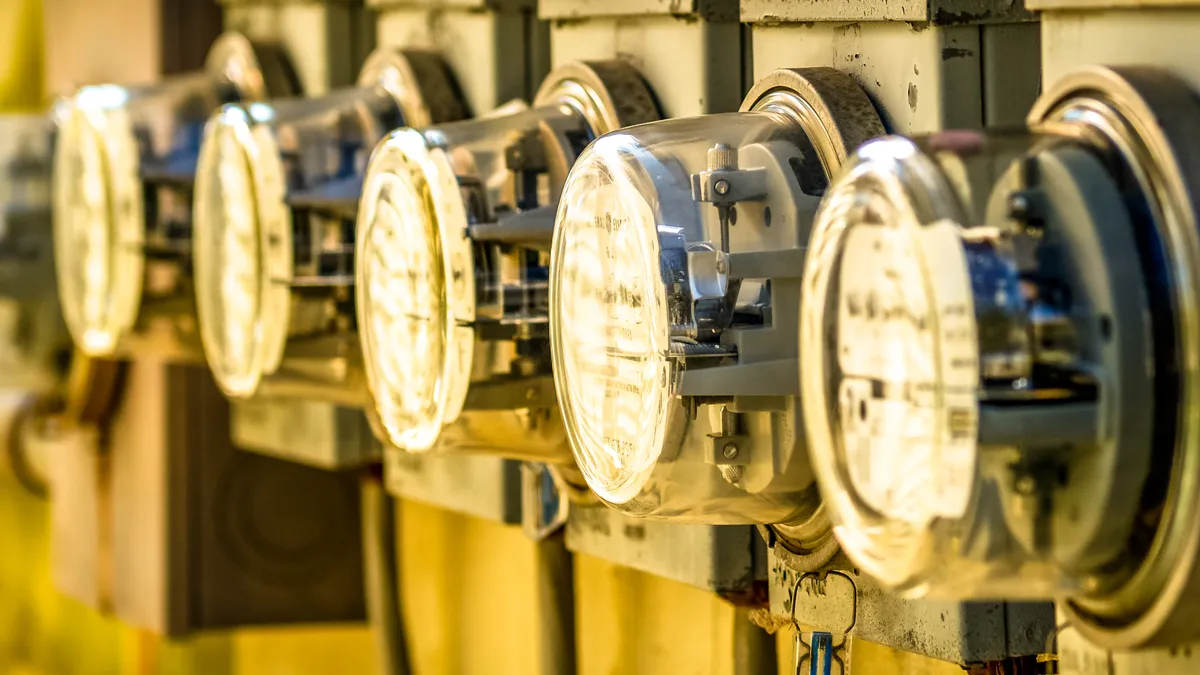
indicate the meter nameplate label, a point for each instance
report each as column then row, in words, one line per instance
column 908, row 357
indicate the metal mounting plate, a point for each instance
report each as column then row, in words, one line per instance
column 477, row 485
column 958, row 632
column 1044, row 5
column 938, row 12
column 726, row 559
column 308, row 432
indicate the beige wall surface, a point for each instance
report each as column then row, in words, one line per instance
column 90, row 41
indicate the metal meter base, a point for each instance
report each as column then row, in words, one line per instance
column 480, row 486
column 315, row 433
column 726, row 559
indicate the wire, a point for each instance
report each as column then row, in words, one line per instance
column 381, row 576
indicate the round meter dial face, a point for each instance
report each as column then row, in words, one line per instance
column 98, row 220
column 406, row 329
column 609, row 325
column 890, row 363
column 414, row 290
column 906, row 399
column 229, row 267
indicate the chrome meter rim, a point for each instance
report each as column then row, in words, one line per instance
column 233, row 58
column 1148, row 118
column 405, row 160
column 834, row 112
column 257, row 154
column 837, row 117
column 608, row 95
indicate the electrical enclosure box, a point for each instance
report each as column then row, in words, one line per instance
column 174, row 530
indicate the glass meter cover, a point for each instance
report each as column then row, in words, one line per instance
column 123, row 168
column 277, row 191
column 990, row 333
column 453, row 239
column 674, row 278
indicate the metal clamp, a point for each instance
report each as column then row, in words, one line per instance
column 823, row 652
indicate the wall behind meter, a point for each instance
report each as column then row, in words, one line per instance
column 468, row 585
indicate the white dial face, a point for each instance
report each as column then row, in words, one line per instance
column 905, row 352
column 414, row 290
column 609, row 328
column 98, row 222
column 229, row 267
column 407, row 334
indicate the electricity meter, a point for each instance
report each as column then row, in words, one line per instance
column 674, row 283
column 124, row 162
column 33, row 339
column 453, row 249
column 1000, row 358
column 277, row 188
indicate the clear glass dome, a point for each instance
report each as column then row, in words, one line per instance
column 230, row 270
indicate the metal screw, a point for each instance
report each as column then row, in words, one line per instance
column 730, row 451
column 721, row 264
column 530, row 394
column 721, row 187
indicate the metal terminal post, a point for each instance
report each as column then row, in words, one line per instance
column 723, row 185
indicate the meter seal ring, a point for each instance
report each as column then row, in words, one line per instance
column 831, row 108
column 423, row 85
column 256, row 70
column 836, row 116
column 609, row 95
